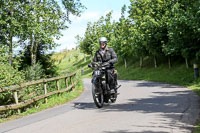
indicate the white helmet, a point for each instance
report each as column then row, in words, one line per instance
column 102, row 39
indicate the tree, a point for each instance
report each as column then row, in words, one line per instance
column 121, row 37
column 103, row 27
column 11, row 14
column 44, row 19
column 147, row 15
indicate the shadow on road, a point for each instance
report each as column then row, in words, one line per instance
column 156, row 84
column 149, row 84
column 171, row 105
column 126, row 131
column 84, row 105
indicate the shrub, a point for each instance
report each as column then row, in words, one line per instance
column 34, row 72
column 9, row 76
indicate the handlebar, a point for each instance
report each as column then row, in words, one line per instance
column 90, row 65
column 98, row 65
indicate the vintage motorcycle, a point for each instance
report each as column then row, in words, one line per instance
column 100, row 88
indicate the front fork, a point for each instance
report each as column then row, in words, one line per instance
column 97, row 82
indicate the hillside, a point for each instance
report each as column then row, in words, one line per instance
column 73, row 60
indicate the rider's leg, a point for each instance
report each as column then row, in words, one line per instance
column 111, row 80
column 115, row 77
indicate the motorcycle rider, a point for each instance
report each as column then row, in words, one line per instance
column 107, row 57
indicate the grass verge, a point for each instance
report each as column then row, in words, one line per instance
column 197, row 128
column 53, row 101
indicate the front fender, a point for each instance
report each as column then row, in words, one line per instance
column 94, row 80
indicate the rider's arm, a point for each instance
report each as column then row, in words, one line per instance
column 113, row 56
column 95, row 59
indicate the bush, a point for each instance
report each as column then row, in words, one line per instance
column 9, row 76
column 34, row 72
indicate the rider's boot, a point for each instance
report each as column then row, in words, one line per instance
column 113, row 89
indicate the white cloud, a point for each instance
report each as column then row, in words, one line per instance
column 87, row 16
column 68, row 39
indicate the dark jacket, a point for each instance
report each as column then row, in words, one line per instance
column 110, row 56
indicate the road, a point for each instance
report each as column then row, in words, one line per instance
column 141, row 107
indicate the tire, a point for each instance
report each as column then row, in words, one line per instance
column 106, row 98
column 98, row 98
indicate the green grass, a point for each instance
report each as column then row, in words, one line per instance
column 177, row 75
column 72, row 62
column 53, row 101
column 197, row 128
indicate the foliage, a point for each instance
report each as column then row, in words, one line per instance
column 35, row 24
column 47, row 65
column 34, row 72
column 35, row 21
column 9, row 76
column 103, row 27
column 153, row 28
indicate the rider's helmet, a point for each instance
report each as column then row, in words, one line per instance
column 103, row 42
column 102, row 39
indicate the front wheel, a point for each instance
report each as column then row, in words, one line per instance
column 98, row 97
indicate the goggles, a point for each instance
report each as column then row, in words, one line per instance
column 103, row 42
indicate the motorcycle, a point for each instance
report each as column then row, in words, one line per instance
column 100, row 88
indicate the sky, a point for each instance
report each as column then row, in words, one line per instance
column 95, row 9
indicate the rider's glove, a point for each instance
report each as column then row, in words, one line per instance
column 106, row 64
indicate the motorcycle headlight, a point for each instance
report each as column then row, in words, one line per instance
column 97, row 73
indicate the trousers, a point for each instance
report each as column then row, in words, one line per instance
column 111, row 78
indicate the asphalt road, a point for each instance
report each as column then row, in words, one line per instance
column 141, row 107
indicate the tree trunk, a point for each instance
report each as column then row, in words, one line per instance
column 155, row 62
column 125, row 63
column 84, row 58
column 91, row 58
column 169, row 61
column 186, row 62
column 11, row 38
column 141, row 62
column 11, row 48
column 31, row 49
column 34, row 44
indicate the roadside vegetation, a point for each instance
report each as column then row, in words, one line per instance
column 64, row 62
column 28, row 31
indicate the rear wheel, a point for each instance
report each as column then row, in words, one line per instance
column 113, row 97
column 98, row 97
column 106, row 98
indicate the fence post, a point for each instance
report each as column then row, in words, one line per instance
column 58, row 86
column 82, row 71
column 196, row 71
column 45, row 91
column 16, row 100
column 71, row 83
column 66, row 82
